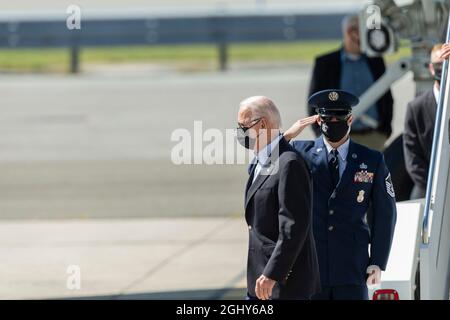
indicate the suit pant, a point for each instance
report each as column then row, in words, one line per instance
column 349, row 292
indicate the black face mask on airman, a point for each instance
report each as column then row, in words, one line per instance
column 334, row 131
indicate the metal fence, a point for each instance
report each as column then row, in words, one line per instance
column 220, row 30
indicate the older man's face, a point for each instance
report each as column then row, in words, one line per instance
column 245, row 118
column 251, row 125
column 247, row 121
column 351, row 39
column 436, row 63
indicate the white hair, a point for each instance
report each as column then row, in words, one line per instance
column 349, row 22
column 261, row 106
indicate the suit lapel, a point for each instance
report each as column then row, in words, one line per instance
column 432, row 107
column 250, row 178
column 265, row 172
column 260, row 179
column 374, row 67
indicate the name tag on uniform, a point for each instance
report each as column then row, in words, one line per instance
column 363, row 176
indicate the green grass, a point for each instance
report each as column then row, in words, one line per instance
column 30, row 60
column 197, row 56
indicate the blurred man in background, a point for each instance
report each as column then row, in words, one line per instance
column 350, row 70
column 419, row 125
column 282, row 260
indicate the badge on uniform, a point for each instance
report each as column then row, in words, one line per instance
column 360, row 197
column 390, row 186
column 363, row 176
column 333, row 96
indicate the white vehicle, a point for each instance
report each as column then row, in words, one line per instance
column 419, row 263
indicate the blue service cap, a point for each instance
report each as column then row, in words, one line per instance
column 332, row 101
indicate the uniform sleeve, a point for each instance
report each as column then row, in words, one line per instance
column 384, row 216
column 294, row 216
column 296, row 145
column 415, row 161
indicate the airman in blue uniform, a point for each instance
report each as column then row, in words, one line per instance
column 348, row 179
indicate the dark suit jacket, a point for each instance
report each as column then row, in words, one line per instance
column 278, row 211
column 418, row 137
column 327, row 75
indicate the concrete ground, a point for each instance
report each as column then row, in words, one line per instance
column 124, row 259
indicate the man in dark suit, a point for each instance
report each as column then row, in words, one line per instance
column 282, row 261
column 419, row 125
column 348, row 178
column 350, row 70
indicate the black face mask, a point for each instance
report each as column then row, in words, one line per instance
column 243, row 135
column 437, row 71
column 334, row 131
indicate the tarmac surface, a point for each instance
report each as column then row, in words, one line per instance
column 123, row 259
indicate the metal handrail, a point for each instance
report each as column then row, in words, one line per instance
column 437, row 132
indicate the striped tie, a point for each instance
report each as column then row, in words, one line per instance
column 333, row 164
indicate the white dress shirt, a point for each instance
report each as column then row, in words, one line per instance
column 436, row 93
column 343, row 151
column 263, row 155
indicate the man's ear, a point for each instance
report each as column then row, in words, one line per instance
column 263, row 123
column 431, row 68
column 350, row 120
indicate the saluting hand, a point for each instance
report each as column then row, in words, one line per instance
column 299, row 126
column 264, row 287
column 444, row 53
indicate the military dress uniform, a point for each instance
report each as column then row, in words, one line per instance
column 340, row 227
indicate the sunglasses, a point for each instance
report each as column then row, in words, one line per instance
column 253, row 123
column 338, row 117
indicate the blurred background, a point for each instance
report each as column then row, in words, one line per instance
column 86, row 119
